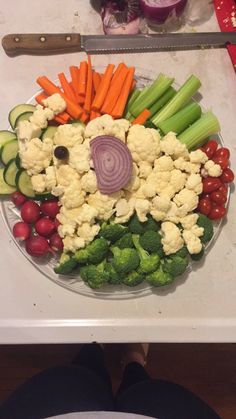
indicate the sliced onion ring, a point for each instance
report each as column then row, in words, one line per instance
column 112, row 163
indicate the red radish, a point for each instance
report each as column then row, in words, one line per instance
column 211, row 184
column 56, row 242
column 21, row 231
column 57, row 223
column 18, row 198
column 204, row 206
column 50, row 208
column 210, row 148
column 222, row 161
column 37, row 246
column 30, row 212
column 44, row 227
column 217, row 212
column 227, row 176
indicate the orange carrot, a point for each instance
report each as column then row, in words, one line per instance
column 103, row 88
column 94, row 114
column 114, row 91
column 74, row 73
column 119, row 107
column 142, row 117
column 82, row 78
column 66, row 87
column 74, row 110
column 62, row 118
column 96, row 80
column 84, row 117
column 80, row 99
column 89, row 87
column 118, row 71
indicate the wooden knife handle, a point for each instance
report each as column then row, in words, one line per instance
column 41, row 44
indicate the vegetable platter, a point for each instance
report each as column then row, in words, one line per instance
column 113, row 184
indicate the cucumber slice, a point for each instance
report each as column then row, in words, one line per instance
column 6, row 136
column 10, row 172
column 5, row 189
column 25, row 116
column 18, row 110
column 49, row 132
column 76, row 123
column 23, row 183
column 18, row 161
column 9, row 151
column 44, row 196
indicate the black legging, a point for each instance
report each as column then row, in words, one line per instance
column 85, row 386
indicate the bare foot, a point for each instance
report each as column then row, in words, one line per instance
column 135, row 352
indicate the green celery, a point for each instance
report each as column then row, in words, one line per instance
column 196, row 135
column 183, row 95
column 182, row 119
column 132, row 97
column 162, row 101
column 151, row 94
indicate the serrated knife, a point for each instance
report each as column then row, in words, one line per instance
column 46, row 44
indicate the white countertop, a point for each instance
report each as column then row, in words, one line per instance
column 33, row 309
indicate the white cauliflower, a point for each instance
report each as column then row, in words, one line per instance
column 41, row 116
column 160, row 206
column 73, row 196
column 104, row 204
column 143, row 143
column 73, row 243
column 158, row 181
column 86, row 214
column 65, row 174
column 142, row 208
column 198, row 156
column 212, row 169
column 149, row 189
column 38, row 183
column 50, row 178
column 134, row 182
column 187, row 166
column 37, row 155
column 69, row 135
column 124, row 210
column 66, row 229
column 192, row 241
column 89, row 182
column 177, row 179
column 194, row 182
column 56, row 103
column 187, row 200
column 145, row 169
column 25, row 131
column 171, row 238
column 171, row 146
column 172, row 213
column 88, row 232
column 163, row 164
column 189, row 221
column 105, row 125
column 168, row 191
column 79, row 158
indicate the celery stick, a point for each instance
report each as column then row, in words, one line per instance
column 196, row 135
column 156, row 90
column 133, row 96
column 182, row 97
column 182, row 119
column 162, row 101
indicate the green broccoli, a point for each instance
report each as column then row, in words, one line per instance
column 125, row 260
column 159, row 278
column 94, row 275
column 125, row 241
column 133, row 278
column 112, row 232
column 137, row 227
column 151, row 241
column 113, row 276
column 148, row 263
column 181, row 252
column 94, row 252
column 206, row 223
column 66, row 264
column 175, row 265
column 199, row 255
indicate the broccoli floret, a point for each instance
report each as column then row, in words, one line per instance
column 112, row 232
column 113, row 277
column 199, row 255
column 136, row 227
column 66, row 264
column 94, row 275
column 151, row 241
column 133, row 278
column 175, row 265
column 94, row 252
column 181, row 252
column 124, row 241
column 159, row 278
column 125, row 260
column 206, row 223
column 148, row 263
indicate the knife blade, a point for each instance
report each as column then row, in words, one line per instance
column 45, row 44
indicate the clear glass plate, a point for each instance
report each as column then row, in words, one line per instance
column 73, row 282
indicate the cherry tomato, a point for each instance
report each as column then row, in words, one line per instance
column 217, row 212
column 227, row 176
column 218, row 197
column 222, row 152
column 204, row 206
column 211, row 184
column 223, row 162
column 210, row 148
column 223, row 189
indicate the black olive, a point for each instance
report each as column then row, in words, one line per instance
column 61, row 152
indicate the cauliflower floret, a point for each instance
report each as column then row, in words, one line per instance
column 212, row 169
column 87, row 214
column 160, row 206
column 134, row 182
column 145, row 169
column 171, row 240
column 172, row 213
column 186, row 199
column 163, row 164
column 80, row 158
column 37, row 155
column 118, row 129
column 89, row 182
column 88, row 232
column 124, row 210
column 71, row 244
column 171, row 146
column 187, row 166
column 69, row 135
column 104, row 203
column 169, row 191
column 189, row 221
column 25, row 131
column 157, row 181
column 192, row 242
column 73, row 196
column 177, row 179
column 50, row 178
column 38, row 183
column 56, row 103
column 41, row 116
column 105, row 125
column 149, row 189
column 198, row 156
column 142, row 208
column 143, row 143
column 194, row 182
column 65, row 174
column 66, row 229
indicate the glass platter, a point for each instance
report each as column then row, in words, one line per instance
column 73, row 282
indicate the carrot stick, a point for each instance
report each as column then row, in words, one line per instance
column 74, row 72
column 118, row 71
column 84, row 117
column 94, row 114
column 66, row 87
column 89, row 87
column 119, row 107
column 62, row 118
column 142, row 117
column 74, row 110
column 114, row 91
column 103, row 88
column 96, row 81
column 80, row 99
column 82, row 78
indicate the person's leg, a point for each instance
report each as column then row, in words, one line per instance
column 60, row 390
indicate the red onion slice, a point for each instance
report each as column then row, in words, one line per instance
column 113, row 163
column 159, row 10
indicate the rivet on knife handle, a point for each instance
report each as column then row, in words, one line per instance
column 41, row 44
